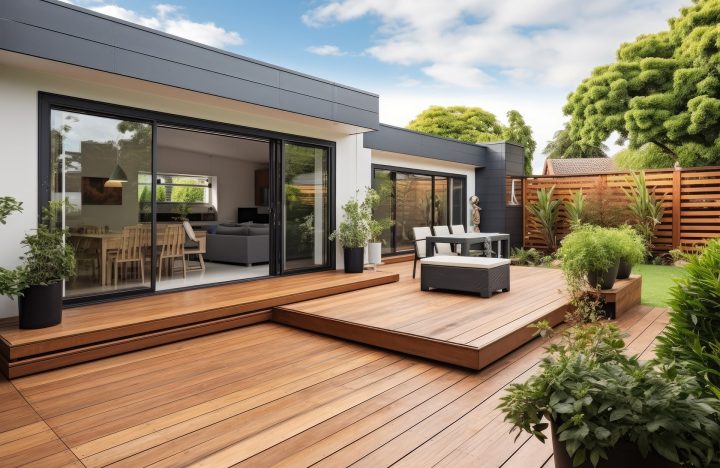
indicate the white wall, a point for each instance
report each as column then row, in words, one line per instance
column 235, row 177
column 19, row 89
column 426, row 164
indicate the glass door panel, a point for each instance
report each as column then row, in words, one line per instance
column 413, row 205
column 98, row 164
column 440, row 205
column 305, row 220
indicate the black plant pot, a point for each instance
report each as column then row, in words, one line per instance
column 624, row 270
column 354, row 258
column 606, row 279
column 622, row 455
column 41, row 306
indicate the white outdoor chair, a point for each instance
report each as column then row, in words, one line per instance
column 443, row 248
column 420, row 233
column 458, row 229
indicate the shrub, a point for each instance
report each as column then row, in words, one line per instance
column 354, row 230
column 647, row 211
column 376, row 226
column 525, row 257
column 597, row 396
column 631, row 245
column 575, row 209
column 693, row 334
column 587, row 249
column 545, row 210
column 604, row 206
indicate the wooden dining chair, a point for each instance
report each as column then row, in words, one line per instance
column 194, row 246
column 172, row 247
column 129, row 253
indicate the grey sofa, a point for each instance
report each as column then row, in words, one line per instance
column 244, row 244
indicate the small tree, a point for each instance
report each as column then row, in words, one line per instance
column 545, row 210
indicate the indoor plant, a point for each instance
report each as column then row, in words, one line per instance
column 353, row 234
column 37, row 282
column 376, row 226
column 632, row 246
column 607, row 409
column 591, row 253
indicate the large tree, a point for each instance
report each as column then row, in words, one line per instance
column 663, row 90
column 476, row 125
column 562, row 146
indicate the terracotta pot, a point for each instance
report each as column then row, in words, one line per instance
column 623, row 455
column 41, row 306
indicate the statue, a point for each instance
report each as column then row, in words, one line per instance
column 474, row 201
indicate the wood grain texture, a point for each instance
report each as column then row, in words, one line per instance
column 460, row 329
column 105, row 329
column 236, row 398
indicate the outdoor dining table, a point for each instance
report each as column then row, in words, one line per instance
column 465, row 240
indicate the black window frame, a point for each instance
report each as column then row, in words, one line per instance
column 409, row 170
column 49, row 101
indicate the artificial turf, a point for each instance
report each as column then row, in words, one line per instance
column 656, row 282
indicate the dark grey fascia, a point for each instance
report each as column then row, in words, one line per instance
column 404, row 141
column 65, row 33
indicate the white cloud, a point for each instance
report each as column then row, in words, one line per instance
column 169, row 18
column 326, row 50
column 459, row 75
column 554, row 41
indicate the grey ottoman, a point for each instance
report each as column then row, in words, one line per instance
column 479, row 275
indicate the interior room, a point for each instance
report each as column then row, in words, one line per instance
column 220, row 184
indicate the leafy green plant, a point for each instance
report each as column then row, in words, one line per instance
column 678, row 255
column 376, row 226
column 587, row 249
column 597, row 397
column 545, row 210
column 525, row 257
column 575, row 209
column 8, row 206
column 647, row 211
column 354, row 230
column 47, row 258
column 693, row 333
column 632, row 246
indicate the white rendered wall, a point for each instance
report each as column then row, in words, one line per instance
column 19, row 89
column 425, row 164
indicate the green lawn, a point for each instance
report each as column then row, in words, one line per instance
column 656, row 282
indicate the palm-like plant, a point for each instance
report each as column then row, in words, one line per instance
column 545, row 210
column 575, row 209
column 645, row 208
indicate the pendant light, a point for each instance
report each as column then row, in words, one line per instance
column 118, row 176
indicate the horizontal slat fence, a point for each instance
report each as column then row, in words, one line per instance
column 691, row 203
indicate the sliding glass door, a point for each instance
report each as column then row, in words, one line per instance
column 416, row 198
column 305, row 207
column 99, row 165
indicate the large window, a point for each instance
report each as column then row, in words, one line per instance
column 177, row 188
column 96, row 163
column 415, row 198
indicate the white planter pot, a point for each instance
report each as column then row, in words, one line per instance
column 374, row 250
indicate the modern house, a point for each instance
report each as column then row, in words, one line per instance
column 137, row 128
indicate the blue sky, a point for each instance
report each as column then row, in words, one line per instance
column 515, row 54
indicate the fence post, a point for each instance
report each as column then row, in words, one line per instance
column 676, row 206
column 524, row 198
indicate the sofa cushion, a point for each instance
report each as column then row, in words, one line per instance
column 256, row 231
column 465, row 262
column 232, row 231
column 211, row 228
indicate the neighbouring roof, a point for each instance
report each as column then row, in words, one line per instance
column 579, row 166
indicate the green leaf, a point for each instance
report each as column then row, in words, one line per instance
column 579, row 457
column 619, row 413
column 601, row 433
column 563, row 408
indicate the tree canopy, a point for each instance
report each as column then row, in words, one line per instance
column 662, row 90
column 562, row 146
column 476, row 125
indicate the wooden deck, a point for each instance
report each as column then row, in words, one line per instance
column 237, row 398
column 460, row 329
column 111, row 328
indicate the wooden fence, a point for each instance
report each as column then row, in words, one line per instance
column 690, row 198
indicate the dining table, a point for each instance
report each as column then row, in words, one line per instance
column 466, row 240
column 109, row 241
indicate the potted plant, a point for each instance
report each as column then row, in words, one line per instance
column 606, row 409
column 376, row 227
column 590, row 252
column 633, row 249
column 37, row 283
column 353, row 234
